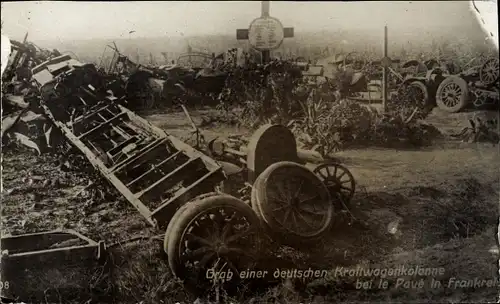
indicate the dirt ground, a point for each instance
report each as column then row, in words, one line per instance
column 434, row 207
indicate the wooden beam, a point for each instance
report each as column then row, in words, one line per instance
column 123, row 144
column 168, row 207
column 155, row 144
column 242, row 34
column 154, row 167
column 104, row 126
column 98, row 164
column 384, row 74
column 265, row 6
column 166, row 182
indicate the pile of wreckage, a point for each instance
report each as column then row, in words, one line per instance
column 432, row 82
column 194, row 78
column 173, row 185
column 195, row 74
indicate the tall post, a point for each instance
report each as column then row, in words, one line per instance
column 265, row 7
column 384, row 73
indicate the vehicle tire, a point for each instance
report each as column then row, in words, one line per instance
column 488, row 73
column 266, row 194
column 423, row 97
column 191, row 228
column 178, row 213
column 452, row 94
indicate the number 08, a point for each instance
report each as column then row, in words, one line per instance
column 4, row 285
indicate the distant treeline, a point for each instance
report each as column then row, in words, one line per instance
column 311, row 46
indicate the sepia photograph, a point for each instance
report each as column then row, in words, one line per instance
column 206, row 152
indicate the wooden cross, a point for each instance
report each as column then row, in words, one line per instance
column 264, row 8
column 243, row 34
column 386, row 63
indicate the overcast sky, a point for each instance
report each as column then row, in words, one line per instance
column 66, row 20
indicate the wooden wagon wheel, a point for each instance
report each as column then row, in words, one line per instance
column 338, row 180
column 488, row 74
column 217, row 233
column 292, row 202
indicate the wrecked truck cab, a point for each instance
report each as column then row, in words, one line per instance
column 68, row 71
column 64, row 78
column 65, row 64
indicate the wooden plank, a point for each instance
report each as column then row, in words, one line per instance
column 98, row 164
column 177, row 143
column 168, row 207
column 385, row 77
column 154, row 168
column 112, row 152
column 288, row 32
column 152, row 146
column 164, row 181
column 95, row 110
column 144, row 124
column 103, row 126
column 109, row 110
column 55, row 60
column 117, row 129
column 84, row 250
column 242, row 34
column 265, row 8
column 137, row 130
column 33, row 242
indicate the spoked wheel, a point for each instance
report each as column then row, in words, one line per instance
column 418, row 93
column 452, row 94
column 292, row 202
column 211, row 240
column 339, row 182
column 178, row 213
column 488, row 74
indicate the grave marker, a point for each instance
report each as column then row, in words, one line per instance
column 386, row 63
column 265, row 33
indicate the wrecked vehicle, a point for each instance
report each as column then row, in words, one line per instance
column 436, row 83
column 477, row 85
column 17, row 76
column 357, row 78
column 180, row 188
column 149, row 87
column 420, row 80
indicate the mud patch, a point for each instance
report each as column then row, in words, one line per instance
column 461, row 260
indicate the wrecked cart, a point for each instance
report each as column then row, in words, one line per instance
column 156, row 172
column 41, row 266
column 171, row 183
